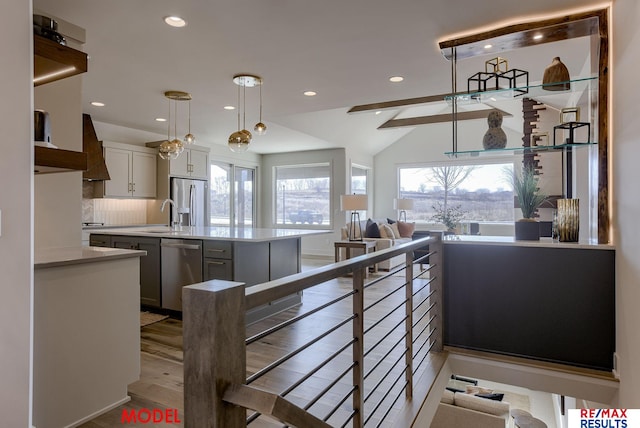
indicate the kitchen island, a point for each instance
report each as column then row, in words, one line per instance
column 86, row 332
column 190, row 255
column 546, row 300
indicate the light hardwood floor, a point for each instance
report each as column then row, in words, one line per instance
column 161, row 378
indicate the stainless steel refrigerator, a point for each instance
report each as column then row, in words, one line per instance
column 191, row 199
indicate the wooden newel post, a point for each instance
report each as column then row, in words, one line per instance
column 214, row 352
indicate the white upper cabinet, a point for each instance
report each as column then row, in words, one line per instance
column 193, row 162
column 132, row 170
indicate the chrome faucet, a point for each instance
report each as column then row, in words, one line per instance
column 174, row 224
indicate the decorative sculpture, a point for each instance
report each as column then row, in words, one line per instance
column 494, row 138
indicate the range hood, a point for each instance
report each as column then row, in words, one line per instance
column 96, row 167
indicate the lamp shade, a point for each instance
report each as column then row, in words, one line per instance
column 354, row 202
column 403, row 204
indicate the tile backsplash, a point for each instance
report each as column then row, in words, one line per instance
column 113, row 212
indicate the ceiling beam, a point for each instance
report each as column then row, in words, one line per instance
column 399, row 103
column 439, row 118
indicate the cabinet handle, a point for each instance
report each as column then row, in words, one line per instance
column 215, row 263
column 215, row 250
column 133, row 187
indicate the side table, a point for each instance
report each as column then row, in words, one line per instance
column 366, row 246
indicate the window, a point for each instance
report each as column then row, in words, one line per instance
column 220, row 190
column 229, row 208
column 303, row 194
column 480, row 192
column 359, row 177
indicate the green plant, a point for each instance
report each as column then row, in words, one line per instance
column 525, row 186
column 449, row 216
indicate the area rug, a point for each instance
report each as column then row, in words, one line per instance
column 147, row 318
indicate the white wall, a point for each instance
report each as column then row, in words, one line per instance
column 626, row 207
column 16, row 196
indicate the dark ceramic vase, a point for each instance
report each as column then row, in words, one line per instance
column 527, row 230
column 556, row 76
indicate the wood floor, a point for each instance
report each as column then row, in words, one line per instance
column 161, row 379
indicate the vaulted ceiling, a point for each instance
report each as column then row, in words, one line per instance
column 343, row 50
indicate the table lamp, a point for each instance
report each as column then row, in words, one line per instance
column 354, row 203
column 403, row 204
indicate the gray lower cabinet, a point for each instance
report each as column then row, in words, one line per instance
column 150, row 291
column 217, row 260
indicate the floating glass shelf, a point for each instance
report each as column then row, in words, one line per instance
column 517, row 150
column 531, row 91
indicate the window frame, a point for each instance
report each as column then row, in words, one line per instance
column 275, row 196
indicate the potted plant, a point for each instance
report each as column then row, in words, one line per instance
column 529, row 197
column 449, row 216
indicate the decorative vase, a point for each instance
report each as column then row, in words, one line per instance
column 494, row 138
column 568, row 220
column 527, row 229
column 556, row 76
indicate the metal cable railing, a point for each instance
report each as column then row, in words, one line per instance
column 393, row 319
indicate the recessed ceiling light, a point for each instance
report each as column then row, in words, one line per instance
column 396, row 79
column 488, row 46
column 97, row 104
column 309, row 93
column 537, row 37
column 160, row 119
column 229, row 107
column 378, row 112
column 175, row 21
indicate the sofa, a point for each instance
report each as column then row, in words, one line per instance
column 466, row 410
column 386, row 234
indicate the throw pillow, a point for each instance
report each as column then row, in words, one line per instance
column 494, row 396
column 406, row 229
column 372, row 230
column 390, row 221
column 478, row 390
column 396, row 232
column 386, row 232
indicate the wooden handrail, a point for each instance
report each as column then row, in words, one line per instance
column 271, row 404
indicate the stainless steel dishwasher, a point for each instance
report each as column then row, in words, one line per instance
column 181, row 265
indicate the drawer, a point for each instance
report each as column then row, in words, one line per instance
column 218, row 249
column 99, row 240
column 218, row 269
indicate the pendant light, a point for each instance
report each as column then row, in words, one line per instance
column 239, row 140
column 189, row 138
column 171, row 148
column 260, row 128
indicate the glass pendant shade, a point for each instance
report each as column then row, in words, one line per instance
column 239, row 141
column 260, row 128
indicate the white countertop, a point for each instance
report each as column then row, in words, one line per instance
column 215, row 233
column 511, row 241
column 64, row 256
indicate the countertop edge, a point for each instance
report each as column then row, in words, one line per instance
column 543, row 243
column 197, row 234
column 68, row 256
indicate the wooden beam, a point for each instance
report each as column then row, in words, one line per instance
column 439, row 118
column 521, row 35
column 398, row 103
column 271, row 404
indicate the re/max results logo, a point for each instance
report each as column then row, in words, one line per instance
column 604, row 418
